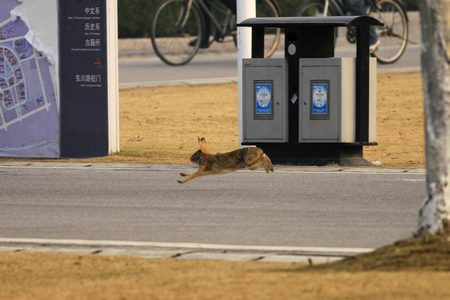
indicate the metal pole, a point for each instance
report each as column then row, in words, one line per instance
column 362, row 85
column 245, row 9
column 113, row 77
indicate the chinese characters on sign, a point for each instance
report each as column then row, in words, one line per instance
column 89, row 22
column 92, row 43
column 88, row 80
column 92, row 27
column 92, row 10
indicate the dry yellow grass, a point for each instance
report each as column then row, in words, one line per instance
column 400, row 121
column 70, row 276
column 160, row 125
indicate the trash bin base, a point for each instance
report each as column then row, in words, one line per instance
column 314, row 154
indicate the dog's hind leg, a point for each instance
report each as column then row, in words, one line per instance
column 255, row 165
column 267, row 163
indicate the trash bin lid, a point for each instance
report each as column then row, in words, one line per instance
column 342, row 21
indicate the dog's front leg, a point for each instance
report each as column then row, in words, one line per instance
column 187, row 174
column 191, row 176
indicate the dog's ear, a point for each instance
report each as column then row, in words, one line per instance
column 202, row 143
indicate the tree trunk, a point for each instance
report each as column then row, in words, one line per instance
column 434, row 214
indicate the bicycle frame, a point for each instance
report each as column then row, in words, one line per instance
column 179, row 28
column 228, row 15
column 337, row 7
column 187, row 14
column 392, row 37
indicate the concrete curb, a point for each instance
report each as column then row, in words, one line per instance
column 130, row 85
column 182, row 250
column 178, row 168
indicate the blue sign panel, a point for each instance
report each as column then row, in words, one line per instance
column 319, row 100
column 263, row 101
column 83, row 78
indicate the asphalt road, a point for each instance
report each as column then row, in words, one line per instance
column 141, row 70
column 294, row 206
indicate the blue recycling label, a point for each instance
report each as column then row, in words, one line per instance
column 263, row 95
column 319, row 99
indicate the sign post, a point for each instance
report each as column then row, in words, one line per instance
column 244, row 10
column 89, row 113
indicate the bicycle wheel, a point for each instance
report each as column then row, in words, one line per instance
column 267, row 8
column 175, row 38
column 394, row 34
column 312, row 8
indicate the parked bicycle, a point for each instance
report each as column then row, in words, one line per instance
column 178, row 27
column 393, row 36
